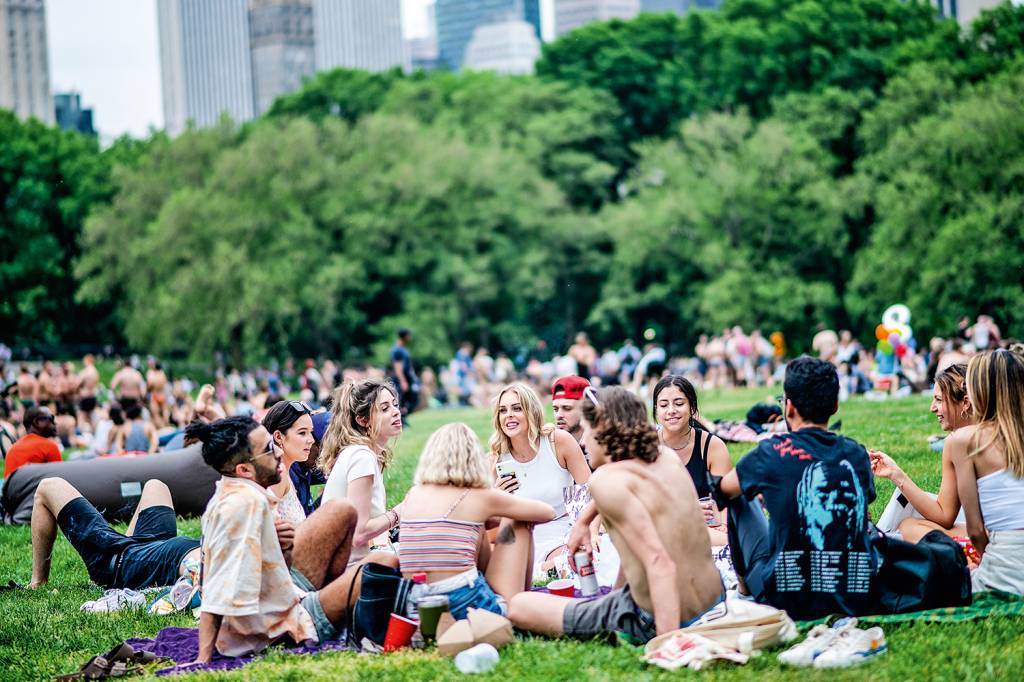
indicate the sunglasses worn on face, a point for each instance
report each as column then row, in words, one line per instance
column 46, row 418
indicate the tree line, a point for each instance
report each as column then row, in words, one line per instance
column 775, row 164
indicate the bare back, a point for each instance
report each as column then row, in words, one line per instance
column 664, row 490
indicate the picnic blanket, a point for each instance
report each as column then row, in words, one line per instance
column 983, row 605
column 181, row 645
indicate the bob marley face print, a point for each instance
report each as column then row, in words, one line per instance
column 832, row 505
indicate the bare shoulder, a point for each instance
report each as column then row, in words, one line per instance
column 612, row 478
column 563, row 439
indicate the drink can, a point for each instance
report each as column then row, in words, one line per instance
column 585, row 569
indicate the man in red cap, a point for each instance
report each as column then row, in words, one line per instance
column 566, row 394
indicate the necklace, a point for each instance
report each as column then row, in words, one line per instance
column 689, row 437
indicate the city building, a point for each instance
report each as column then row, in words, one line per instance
column 205, row 62
column 281, row 42
column 70, row 115
column 359, row 34
column 458, row 19
column 24, row 65
column 964, row 11
column 422, row 50
column 571, row 14
column 678, row 6
column 509, row 46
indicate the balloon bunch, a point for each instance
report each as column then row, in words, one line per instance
column 894, row 334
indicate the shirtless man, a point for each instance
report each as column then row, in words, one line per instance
column 88, row 380
column 45, row 392
column 584, row 354
column 27, row 386
column 128, row 385
column 156, row 384
column 649, row 506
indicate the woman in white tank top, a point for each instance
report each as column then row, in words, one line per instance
column 989, row 462
column 537, row 462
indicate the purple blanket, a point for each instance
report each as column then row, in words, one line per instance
column 181, row 645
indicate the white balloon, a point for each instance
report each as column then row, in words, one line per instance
column 896, row 316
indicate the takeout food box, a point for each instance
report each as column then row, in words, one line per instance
column 478, row 628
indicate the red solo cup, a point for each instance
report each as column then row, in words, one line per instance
column 400, row 632
column 563, row 587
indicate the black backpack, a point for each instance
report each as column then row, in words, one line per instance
column 928, row 575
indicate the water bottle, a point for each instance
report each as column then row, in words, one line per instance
column 479, row 659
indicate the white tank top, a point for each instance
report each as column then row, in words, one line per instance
column 542, row 478
column 1002, row 500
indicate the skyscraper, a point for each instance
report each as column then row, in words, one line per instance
column 359, row 34
column 205, row 65
column 509, row 46
column 571, row 14
column 71, row 115
column 457, row 19
column 964, row 11
column 678, row 6
column 423, row 49
column 281, row 39
column 24, row 66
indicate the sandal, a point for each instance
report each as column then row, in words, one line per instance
column 121, row 661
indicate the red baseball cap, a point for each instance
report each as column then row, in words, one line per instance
column 569, row 388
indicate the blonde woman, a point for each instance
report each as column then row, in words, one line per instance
column 989, row 460
column 542, row 462
column 442, row 527
column 365, row 418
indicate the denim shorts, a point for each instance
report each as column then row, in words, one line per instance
column 148, row 558
column 326, row 631
column 473, row 592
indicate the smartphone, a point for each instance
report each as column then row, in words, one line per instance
column 505, row 469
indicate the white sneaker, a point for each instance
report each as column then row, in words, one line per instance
column 115, row 600
column 820, row 638
column 853, row 647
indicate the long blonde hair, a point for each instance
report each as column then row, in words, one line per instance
column 454, row 456
column 500, row 443
column 995, row 386
column 354, row 400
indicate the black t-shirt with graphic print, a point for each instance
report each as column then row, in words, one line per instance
column 817, row 487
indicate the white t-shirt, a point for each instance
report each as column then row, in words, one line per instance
column 357, row 461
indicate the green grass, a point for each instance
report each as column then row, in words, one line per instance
column 43, row 633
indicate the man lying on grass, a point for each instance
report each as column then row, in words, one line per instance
column 647, row 502
column 262, row 580
column 150, row 554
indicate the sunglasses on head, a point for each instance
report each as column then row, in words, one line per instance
column 300, row 406
column 590, row 394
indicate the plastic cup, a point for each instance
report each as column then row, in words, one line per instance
column 430, row 609
column 564, row 587
column 709, row 503
column 400, row 632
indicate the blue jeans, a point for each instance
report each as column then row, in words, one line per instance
column 471, row 591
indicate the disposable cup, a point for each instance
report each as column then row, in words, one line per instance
column 564, row 587
column 400, row 632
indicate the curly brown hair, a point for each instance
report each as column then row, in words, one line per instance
column 619, row 420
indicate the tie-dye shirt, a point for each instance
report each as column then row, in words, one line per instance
column 245, row 577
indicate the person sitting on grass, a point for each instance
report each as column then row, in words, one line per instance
column 953, row 410
column 442, row 529
column 989, row 461
column 545, row 460
column 263, row 581
column 37, row 445
column 290, row 424
column 649, row 506
column 149, row 554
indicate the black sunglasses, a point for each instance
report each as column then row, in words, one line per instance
column 46, row 418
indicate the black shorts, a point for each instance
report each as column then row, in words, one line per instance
column 87, row 404
column 149, row 557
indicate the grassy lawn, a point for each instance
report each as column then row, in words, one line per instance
column 43, row 634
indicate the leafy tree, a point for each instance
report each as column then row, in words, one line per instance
column 49, row 179
column 947, row 194
column 346, row 93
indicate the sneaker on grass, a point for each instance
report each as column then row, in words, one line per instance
column 820, row 638
column 115, row 600
column 853, row 647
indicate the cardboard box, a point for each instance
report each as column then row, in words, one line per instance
column 456, row 638
column 490, row 628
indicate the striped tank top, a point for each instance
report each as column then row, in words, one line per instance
column 439, row 545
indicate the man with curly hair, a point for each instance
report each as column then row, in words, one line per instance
column 649, row 506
